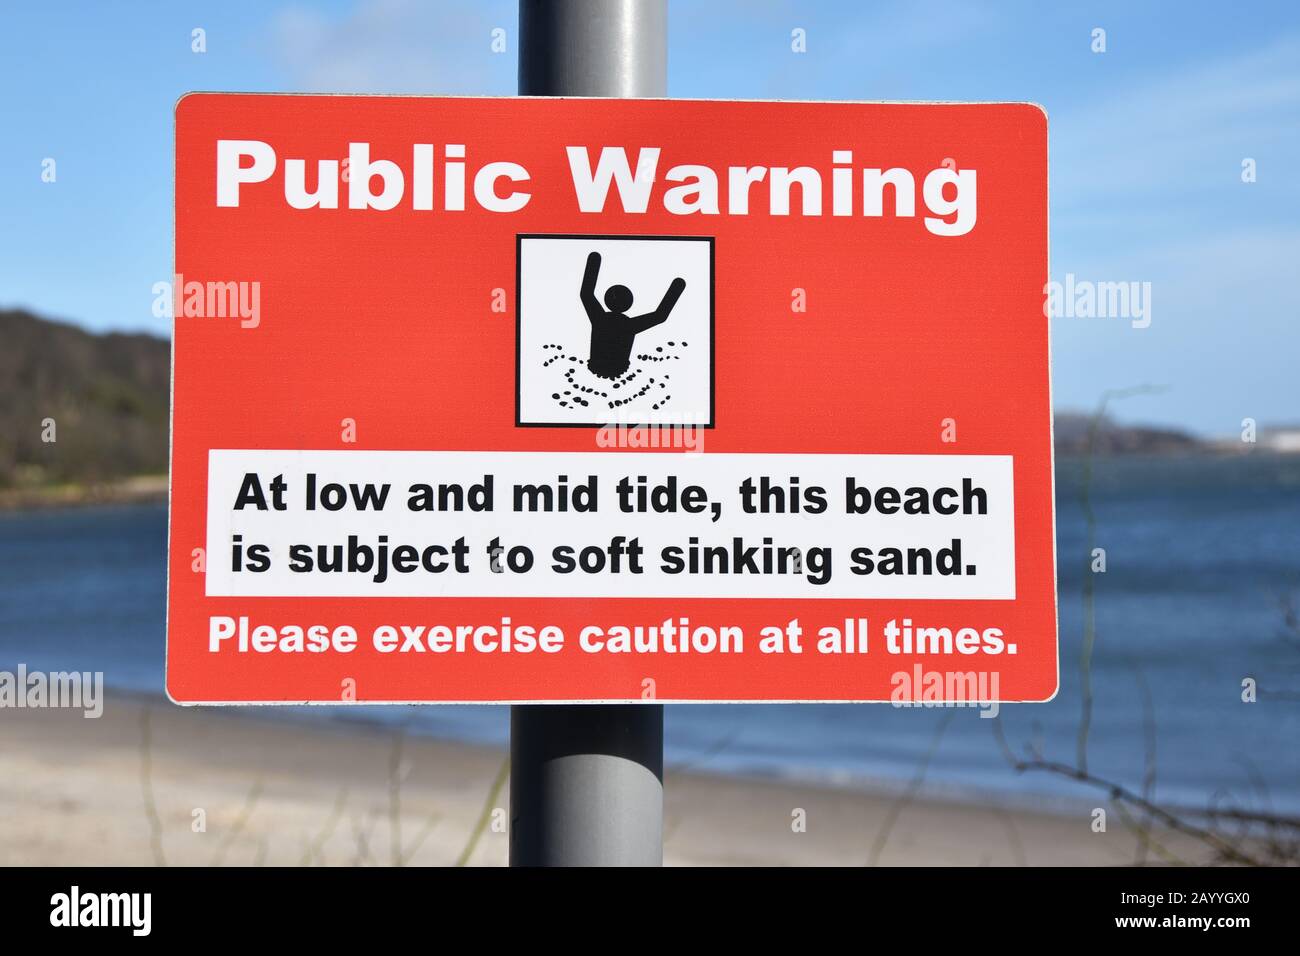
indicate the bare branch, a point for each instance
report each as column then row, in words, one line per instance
column 146, row 787
column 486, row 815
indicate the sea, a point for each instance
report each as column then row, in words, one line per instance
column 1199, row 601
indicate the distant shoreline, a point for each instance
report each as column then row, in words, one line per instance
column 153, row 489
column 141, row 489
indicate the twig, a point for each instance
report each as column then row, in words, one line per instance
column 146, row 788
column 1089, row 587
column 1118, row 792
column 1149, row 765
column 917, row 780
column 1013, row 835
column 486, row 815
column 707, row 754
column 246, row 811
column 316, row 846
column 423, row 835
column 1145, row 838
column 395, row 797
column 361, row 837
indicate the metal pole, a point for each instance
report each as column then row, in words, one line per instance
column 586, row 781
column 593, row 47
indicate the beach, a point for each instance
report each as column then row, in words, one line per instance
column 82, row 589
column 150, row 783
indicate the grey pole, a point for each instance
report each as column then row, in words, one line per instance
column 593, row 47
column 586, row 781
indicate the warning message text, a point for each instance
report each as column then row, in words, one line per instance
column 601, row 524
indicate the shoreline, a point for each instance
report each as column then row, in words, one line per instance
column 136, row 490
column 153, row 489
column 151, row 782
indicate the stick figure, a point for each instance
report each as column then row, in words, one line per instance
column 612, row 330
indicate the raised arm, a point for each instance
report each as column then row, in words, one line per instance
column 660, row 315
column 588, row 291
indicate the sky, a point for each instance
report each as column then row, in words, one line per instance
column 1146, row 147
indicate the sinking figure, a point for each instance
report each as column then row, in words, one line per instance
column 612, row 330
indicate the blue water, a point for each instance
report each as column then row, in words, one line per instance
column 1201, row 553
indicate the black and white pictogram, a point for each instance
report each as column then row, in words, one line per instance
column 614, row 329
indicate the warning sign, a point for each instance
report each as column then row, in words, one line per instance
column 610, row 400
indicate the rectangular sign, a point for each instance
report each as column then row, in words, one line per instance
column 609, row 400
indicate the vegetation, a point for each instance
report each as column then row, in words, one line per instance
column 103, row 399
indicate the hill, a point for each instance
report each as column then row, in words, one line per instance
column 107, row 395
column 1073, row 432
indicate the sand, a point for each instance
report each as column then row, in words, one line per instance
column 232, row 786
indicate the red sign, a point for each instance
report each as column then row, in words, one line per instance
column 610, row 400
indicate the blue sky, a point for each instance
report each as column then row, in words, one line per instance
column 1146, row 144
